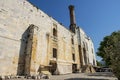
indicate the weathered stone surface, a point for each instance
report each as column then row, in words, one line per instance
column 20, row 55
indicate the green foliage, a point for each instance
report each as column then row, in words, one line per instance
column 98, row 63
column 109, row 50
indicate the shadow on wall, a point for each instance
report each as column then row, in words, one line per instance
column 21, row 61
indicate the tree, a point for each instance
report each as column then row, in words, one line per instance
column 109, row 50
column 98, row 63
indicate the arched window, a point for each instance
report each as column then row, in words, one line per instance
column 54, row 32
column 93, row 62
column 85, row 56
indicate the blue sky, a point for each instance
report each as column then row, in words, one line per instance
column 97, row 18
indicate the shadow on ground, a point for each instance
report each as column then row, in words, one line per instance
column 84, row 79
column 105, row 74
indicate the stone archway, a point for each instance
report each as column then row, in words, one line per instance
column 27, row 51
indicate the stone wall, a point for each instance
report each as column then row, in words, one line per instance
column 87, row 48
column 15, row 18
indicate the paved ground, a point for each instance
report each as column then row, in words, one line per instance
column 85, row 76
column 81, row 76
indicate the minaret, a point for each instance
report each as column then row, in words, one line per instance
column 72, row 19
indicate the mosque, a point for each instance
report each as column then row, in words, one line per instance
column 31, row 42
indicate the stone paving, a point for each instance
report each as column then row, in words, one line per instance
column 80, row 76
column 85, row 76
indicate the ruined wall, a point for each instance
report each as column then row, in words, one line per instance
column 66, row 49
column 87, row 48
column 14, row 21
column 15, row 18
column 92, row 57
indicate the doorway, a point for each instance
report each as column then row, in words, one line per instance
column 74, row 68
column 53, row 67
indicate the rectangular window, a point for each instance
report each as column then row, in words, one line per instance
column 73, row 57
column 54, row 30
column 54, row 53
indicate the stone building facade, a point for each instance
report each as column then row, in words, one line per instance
column 31, row 42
